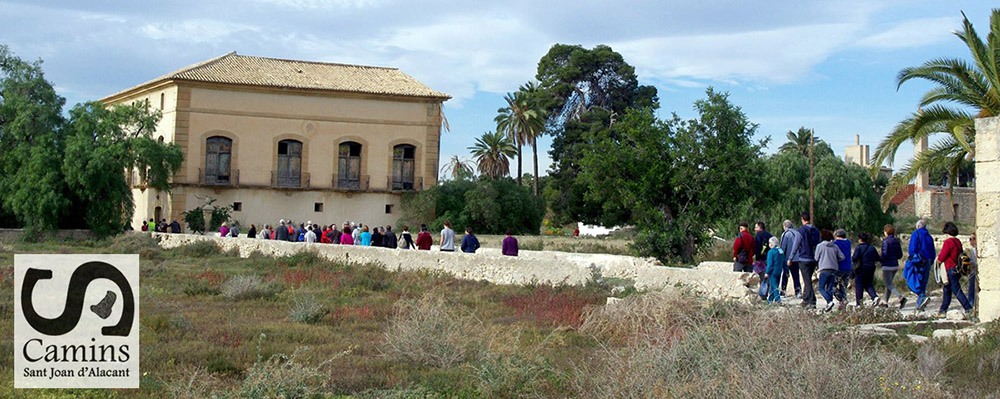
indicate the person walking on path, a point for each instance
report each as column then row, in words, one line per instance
column 950, row 255
column 807, row 259
column 789, row 241
column 424, row 240
column 447, row 237
column 365, row 236
column 509, row 246
column 743, row 250
column 281, row 232
column 469, row 243
column 405, row 239
column 844, row 267
column 892, row 252
column 922, row 253
column 389, row 240
column 356, row 233
column 346, row 238
column 775, row 266
column 828, row 257
column 761, row 237
column 310, row 236
column 864, row 259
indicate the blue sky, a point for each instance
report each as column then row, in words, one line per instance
column 827, row 65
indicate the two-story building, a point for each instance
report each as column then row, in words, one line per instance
column 284, row 139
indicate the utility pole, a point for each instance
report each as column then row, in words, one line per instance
column 812, row 143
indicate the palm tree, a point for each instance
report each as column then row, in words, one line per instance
column 959, row 83
column 457, row 167
column 536, row 125
column 493, row 152
column 522, row 120
column 799, row 141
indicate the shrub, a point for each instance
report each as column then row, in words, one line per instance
column 134, row 243
column 248, row 287
column 200, row 249
column 432, row 332
column 199, row 287
column 501, row 376
column 306, row 309
column 280, row 376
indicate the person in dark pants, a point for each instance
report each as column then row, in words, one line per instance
column 743, row 250
column 892, row 252
column 789, row 242
column 807, row 259
column 950, row 253
column 865, row 257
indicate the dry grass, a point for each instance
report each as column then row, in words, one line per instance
column 432, row 332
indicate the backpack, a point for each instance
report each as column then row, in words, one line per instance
column 964, row 264
column 742, row 257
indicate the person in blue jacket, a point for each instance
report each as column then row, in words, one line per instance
column 775, row 268
column 844, row 268
column 922, row 248
column 469, row 243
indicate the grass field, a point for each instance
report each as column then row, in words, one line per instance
column 216, row 325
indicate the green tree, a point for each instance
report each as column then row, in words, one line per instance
column 31, row 145
column 583, row 91
column 493, row 152
column 956, row 83
column 105, row 143
column 522, row 121
column 675, row 178
column 799, row 142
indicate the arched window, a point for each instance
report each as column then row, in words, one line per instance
column 218, row 153
column 349, row 166
column 289, row 163
column 402, row 166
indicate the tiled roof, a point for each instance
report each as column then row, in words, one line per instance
column 272, row 72
column 903, row 194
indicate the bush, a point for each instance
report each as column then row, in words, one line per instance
column 134, row 243
column 280, row 376
column 432, row 332
column 306, row 309
column 200, row 249
column 199, row 287
column 491, row 207
column 501, row 376
column 248, row 287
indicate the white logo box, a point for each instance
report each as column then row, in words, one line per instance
column 55, row 349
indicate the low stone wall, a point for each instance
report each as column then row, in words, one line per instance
column 545, row 267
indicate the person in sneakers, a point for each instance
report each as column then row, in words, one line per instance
column 775, row 266
column 892, row 252
column 922, row 248
column 789, row 241
column 865, row 257
column 807, row 259
column 828, row 257
column 844, row 268
column 949, row 256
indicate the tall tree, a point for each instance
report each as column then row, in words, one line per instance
column 31, row 182
column 800, row 140
column 493, row 152
column 457, row 168
column 102, row 146
column 675, row 177
column 522, row 120
column 585, row 90
column 956, row 83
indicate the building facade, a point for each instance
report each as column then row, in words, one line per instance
column 284, row 139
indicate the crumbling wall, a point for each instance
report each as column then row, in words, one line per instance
column 988, row 216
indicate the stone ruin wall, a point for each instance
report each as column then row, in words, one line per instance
column 988, row 216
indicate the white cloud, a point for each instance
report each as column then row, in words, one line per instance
column 195, row 30
column 913, row 33
column 322, row 4
column 782, row 55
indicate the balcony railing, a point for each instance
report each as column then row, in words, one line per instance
column 359, row 184
column 302, row 182
column 416, row 184
column 232, row 180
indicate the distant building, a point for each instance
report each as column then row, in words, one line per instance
column 303, row 140
column 923, row 200
column 857, row 153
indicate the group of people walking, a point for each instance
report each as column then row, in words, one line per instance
column 351, row 233
column 801, row 252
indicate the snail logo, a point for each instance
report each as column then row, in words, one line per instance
column 76, row 321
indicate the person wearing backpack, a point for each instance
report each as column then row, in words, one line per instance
column 789, row 241
column 892, row 251
column 951, row 253
column 864, row 259
column 743, row 250
column 807, row 259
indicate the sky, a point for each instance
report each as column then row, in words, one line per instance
column 826, row 65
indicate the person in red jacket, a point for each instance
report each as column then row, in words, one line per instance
column 743, row 250
column 424, row 240
column 949, row 256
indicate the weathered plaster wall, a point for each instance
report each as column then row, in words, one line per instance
column 531, row 266
column 988, row 216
